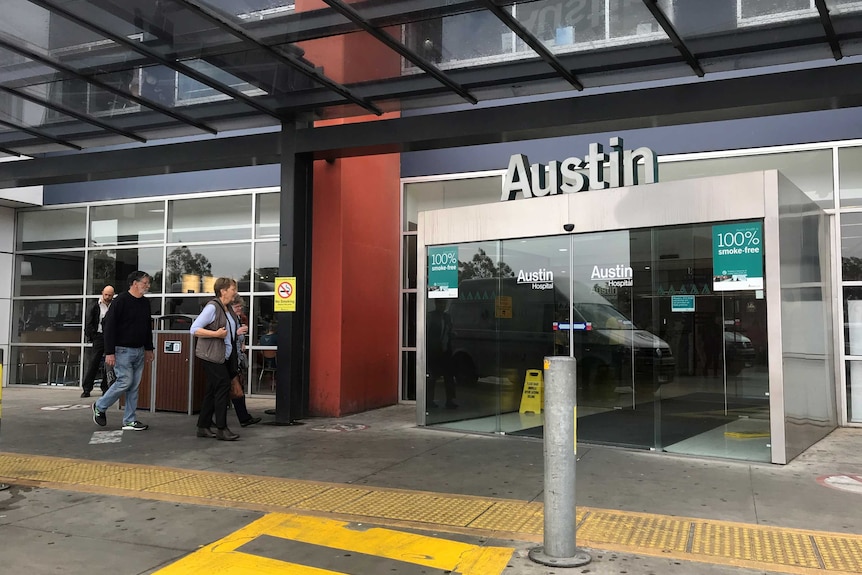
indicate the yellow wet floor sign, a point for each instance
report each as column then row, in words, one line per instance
column 533, row 396
column 281, row 543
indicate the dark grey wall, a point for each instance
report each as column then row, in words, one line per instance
column 809, row 127
column 166, row 185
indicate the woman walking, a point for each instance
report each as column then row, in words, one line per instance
column 216, row 330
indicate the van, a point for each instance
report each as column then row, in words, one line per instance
column 503, row 328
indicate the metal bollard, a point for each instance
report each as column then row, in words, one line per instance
column 559, row 549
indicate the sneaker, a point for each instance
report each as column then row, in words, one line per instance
column 135, row 426
column 99, row 417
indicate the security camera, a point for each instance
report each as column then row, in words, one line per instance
column 568, row 227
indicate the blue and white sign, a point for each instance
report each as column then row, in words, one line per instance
column 682, row 303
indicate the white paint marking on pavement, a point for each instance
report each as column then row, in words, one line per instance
column 851, row 483
column 65, row 407
column 106, row 437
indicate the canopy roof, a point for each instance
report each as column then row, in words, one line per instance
column 86, row 73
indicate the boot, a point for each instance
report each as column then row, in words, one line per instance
column 226, row 435
column 205, row 432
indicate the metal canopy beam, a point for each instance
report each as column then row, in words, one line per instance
column 9, row 152
column 39, row 134
column 142, row 49
column 400, row 49
column 105, row 86
column 765, row 95
column 675, row 38
column 831, row 36
column 538, row 47
column 280, row 55
column 74, row 114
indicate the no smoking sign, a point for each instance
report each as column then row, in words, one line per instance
column 285, row 294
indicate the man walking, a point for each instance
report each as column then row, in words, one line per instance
column 93, row 331
column 128, row 332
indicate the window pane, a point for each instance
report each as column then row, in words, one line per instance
column 267, row 217
column 408, row 317
column 263, row 323
column 37, row 365
column 265, row 267
column 851, row 246
column 422, row 196
column 853, row 323
column 47, row 321
column 811, row 171
column 127, row 224
column 850, row 176
column 52, row 229
column 223, row 218
column 408, row 280
column 408, row 375
column 112, row 267
column 194, row 269
column 50, row 274
column 186, row 305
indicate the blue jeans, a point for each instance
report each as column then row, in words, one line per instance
column 129, row 368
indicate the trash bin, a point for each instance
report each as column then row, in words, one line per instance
column 178, row 380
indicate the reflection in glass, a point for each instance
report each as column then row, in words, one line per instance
column 853, row 323
column 210, row 219
column 850, row 177
column 52, row 229
column 45, row 365
column 265, row 268
column 408, row 375
column 408, row 264
column 47, row 321
column 135, row 223
column 191, row 306
column 267, row 217
column 112, row 267
column 851, row 246
column 50, row 274
column 264, row 321
column 194, row 269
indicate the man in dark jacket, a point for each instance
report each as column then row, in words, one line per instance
column 128, row 332
column 93, row 332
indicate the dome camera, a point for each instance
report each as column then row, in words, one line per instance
column 568, row 227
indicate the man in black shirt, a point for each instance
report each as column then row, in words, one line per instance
column 93, row 331
column 128, row 333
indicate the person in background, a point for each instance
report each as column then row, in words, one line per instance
column 239, row 407
column 128, row 332
column 93, row 332
column 439, row 349
column 216, row 330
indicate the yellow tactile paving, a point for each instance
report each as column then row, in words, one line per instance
column 332, row 499
column 762, row 547
column 507, row 516
column 423, row 507
column 276, row 492
column 655, row 532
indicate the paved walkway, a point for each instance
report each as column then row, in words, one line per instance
column 485, row 492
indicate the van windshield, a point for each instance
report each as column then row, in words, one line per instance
column 602, row 316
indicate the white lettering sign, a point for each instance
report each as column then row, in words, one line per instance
column 604, row 170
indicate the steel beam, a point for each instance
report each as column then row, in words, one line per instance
column 675, row 38
column 39, row 134
column 826, row 22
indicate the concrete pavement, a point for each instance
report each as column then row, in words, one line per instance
column 62, row 530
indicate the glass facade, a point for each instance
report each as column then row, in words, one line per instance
column 65, row 256
column 831, row 175
column 666, row 360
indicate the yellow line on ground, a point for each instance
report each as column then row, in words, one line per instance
column 432, row 552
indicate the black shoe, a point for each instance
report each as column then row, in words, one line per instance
column 205, row 432
column 85, row 394
column 99, row 417
column 250, row 421
column 226, row 435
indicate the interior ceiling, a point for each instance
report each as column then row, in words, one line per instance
column 81, row 74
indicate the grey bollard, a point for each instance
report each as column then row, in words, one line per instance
column 560, row 393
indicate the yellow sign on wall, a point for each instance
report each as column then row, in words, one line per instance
column 503, row 307
column 285, row 294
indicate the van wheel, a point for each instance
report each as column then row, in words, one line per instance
column 465, row 371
